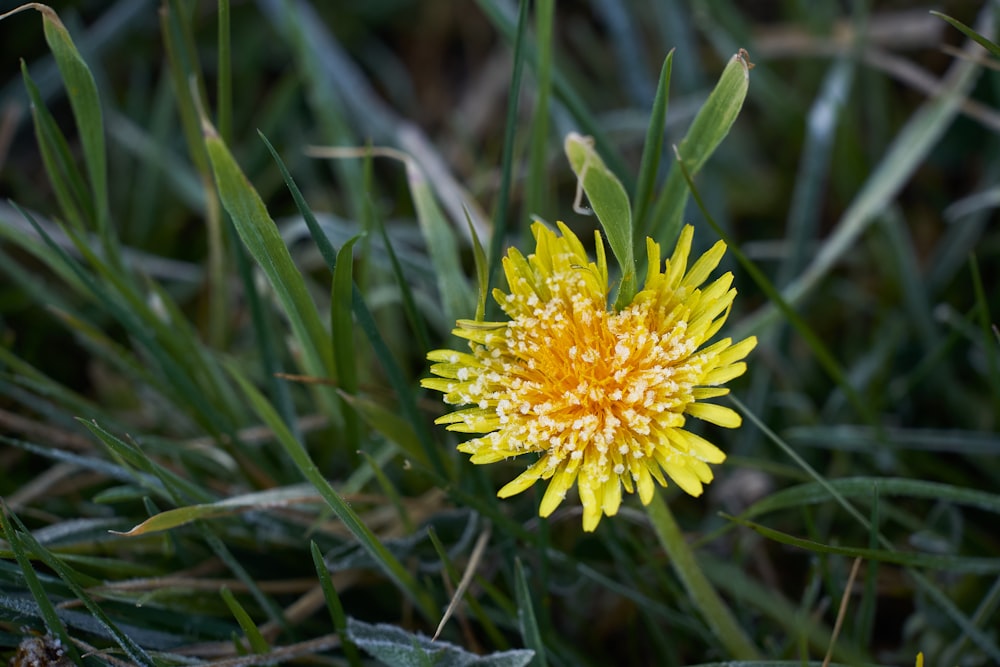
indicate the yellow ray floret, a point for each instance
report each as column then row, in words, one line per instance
column 602, row 396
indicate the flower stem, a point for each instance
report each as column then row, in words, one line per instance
column 715, row 612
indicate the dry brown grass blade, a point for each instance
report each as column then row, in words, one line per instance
column 463, row 585
column 844, row 600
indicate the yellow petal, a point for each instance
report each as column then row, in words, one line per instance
column 738, row 351
column 612, row 493
column 677, row 263
column 724, row 374
column 716, row 414
column 685, row 478
column 700, row 448
column 705, row 265
column 645, row 485
column 556, row 492
column 588, row 498
column 524, row 480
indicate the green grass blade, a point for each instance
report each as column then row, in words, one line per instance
column 67, row 181
column 652, row 149
column 46, row 609
column 413, row 314
column 507, row 156
column 526, row 616
column 442, row 245
column 342, row 336
column 987, row 44
column 707, row 131
column 536, row 187
column 814, row 167
column 967, row 565
column 860, row 489
column 260, row 236
column 224, row 101
column 184, row 68
column 335, row 606
column 256, row 640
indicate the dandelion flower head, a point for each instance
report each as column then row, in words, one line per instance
column 602, row 395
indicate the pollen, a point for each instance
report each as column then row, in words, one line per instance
column 600, row 396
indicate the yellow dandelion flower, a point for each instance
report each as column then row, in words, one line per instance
column 603, row 396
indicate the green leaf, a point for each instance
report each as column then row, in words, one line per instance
column 609, row 201
column 396, row 647
column 707, row 131
column 86, row 105
column 67, row 181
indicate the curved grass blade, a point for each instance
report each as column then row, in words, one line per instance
column 86, row 105
column 862, row 488
column 987, row 44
